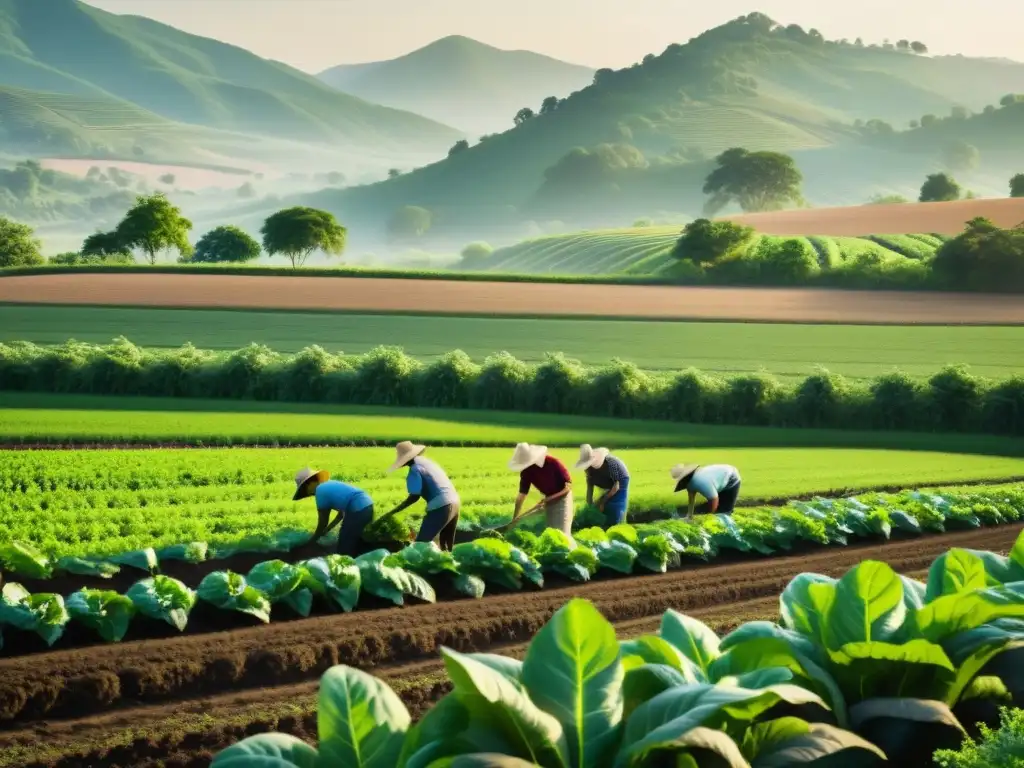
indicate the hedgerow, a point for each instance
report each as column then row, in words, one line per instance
column 952, row 400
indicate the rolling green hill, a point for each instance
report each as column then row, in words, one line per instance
column 648, row 251
column 747, row 83
column 461, row 82
column 65, row 46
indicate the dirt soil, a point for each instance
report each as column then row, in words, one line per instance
column 184, row 698
column 899, row 219
column 537, row 299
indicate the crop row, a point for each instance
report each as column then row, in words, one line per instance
column 524, row 558
column 873, row 668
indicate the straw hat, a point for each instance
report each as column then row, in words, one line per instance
column 682, row 473
column 526, row 454
column 304, row 478
column 591, row 457
column 405, row 451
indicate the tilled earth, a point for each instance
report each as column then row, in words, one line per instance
column 175, row 702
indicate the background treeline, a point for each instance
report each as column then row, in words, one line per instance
column 953, row 400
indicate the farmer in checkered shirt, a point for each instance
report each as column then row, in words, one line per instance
column 608, row 473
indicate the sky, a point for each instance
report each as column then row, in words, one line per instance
column 313, row 35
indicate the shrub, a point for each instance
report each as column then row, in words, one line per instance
column 557, row 384
column 955, row 399
column 447, row 382
column 822, row 399
column 694, row 397
column 474, row 254
column 705, row 242
column 752, row 399
column 504, row 384
column 620, row 389
column 1000, row 748
column 896, row 401
column 18, row 245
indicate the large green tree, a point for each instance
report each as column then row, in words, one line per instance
column 756, row 181
column 297, row 232
column 1017, row 185
column 106, row 245
column 154, row 225
column 939, row 188
column 18, row 245
column 982, row 257
column 225, row 244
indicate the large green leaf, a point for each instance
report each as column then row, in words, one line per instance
column 694, row 638
column 79, row 566
column 962, row 644
column 969, row 669
column 336, row 577
column 448, row 729
column 382, row 575
column 281, row 582
column 680, row 739
column 267, row 750
column 868, row 606
column 42, row 613
column 789, row 741
column 908, row 731
column 470, row 585
column 494, row 701
column 753, row 631
column 950, row 614
column 24, row 560
column 164, row 599
column 141, row 559
column 104, row 611
column 427, row 559
column 572, row 670
column 759, row 678
column 914, row 669
column 651, row 649
column 955, row 572
column 1017, row 552
column 803, row 609
column 361, row 722
column 230, row 592
column 645, row 682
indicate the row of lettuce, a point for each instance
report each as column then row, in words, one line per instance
column 873, row 668
column 340, row 582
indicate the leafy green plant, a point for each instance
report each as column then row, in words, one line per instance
column 164, row 599
column 382, row 574
column 230, row 592
column 42, row 613
column 336, row 577
column 995, row 748
column 104, row 611
column 281, row 582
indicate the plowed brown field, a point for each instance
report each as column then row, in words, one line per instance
column 175, row 702
column 899, row 219
column 532, row 299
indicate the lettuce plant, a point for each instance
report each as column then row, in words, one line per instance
column 44, row 614
column 281, row 582
column 104, row 611
column 382, row 574
column 230, row 592
column 164, row 599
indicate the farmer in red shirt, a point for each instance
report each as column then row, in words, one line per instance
column 549, row 476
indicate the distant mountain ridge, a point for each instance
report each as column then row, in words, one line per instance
column 66, row 46
column 462, row 82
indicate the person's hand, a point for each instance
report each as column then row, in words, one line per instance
column 600, row 505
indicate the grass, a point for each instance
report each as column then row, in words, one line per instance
column 786, row 350
column 82, row 419
column 105, row 502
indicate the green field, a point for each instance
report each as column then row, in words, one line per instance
column 106, row 502
column 648, row 251
column 55, row 419
column 787, row 350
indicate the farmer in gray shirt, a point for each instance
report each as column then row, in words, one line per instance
column 608, row 473
column 426, row 480
column 718, row 483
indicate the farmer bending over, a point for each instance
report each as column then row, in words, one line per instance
column 608, row 473
column 549, row 476
column 426, row 480
column 353, row 505
column 718, row 483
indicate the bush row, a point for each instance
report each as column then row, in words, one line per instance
column 953, row 400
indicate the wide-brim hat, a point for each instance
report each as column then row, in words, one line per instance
column 591, row 457
column 304, row 478
column 526, row 455
column 682, row 473
column 404, row 453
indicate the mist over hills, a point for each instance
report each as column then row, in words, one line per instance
column 462, row 82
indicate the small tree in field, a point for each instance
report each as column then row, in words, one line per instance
column 106, row 245
column 297, row 232
column 704, row 241
column 757, row 181
column 939, row 188
column 18, row 245
column 153, row 225
column 1017, row 185
column 225, row 244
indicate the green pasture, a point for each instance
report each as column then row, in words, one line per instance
column 104, row 502
column 786, row 350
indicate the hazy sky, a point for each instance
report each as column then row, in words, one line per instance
column 315, row 34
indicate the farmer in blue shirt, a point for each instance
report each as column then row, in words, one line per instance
column 353, row 505
column 718, row 483
column 608, row 473
column 426, row 480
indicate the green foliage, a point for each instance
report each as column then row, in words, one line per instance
column 107, row 246
column 983, row 257
column 1001, row 747
column 1017, row 185
column 705, row 242
column 18, row 245
column 475, row 254
column 890, row 199
column 939, row 188
column 297, row 232
column 459, row 146
column 225, row 244
column 154, row 225
column 756, row 181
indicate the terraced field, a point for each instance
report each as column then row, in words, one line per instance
column 648, row 251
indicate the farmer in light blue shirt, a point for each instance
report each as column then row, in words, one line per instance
column 426, row 480
column 353, row 506
column 718, row 483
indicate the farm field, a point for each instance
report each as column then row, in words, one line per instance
column 466, row 297
column 144, row 698
column 786, row 350
column 27, row 419
column 101, row 503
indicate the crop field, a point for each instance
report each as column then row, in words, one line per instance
column 717, row 128
column 785, row 350
column 139, row 703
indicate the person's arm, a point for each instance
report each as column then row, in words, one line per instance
column 322, row 528
column 590, row 491
column 411, row 499
column 608, row 494
column 692, row 503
